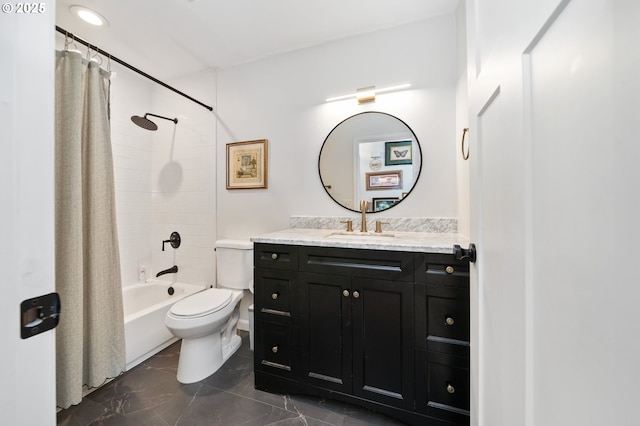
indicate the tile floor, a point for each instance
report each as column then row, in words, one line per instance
column 149, row 394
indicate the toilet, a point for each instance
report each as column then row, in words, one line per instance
column 207, row 321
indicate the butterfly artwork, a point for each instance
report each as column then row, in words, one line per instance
column 398, row 152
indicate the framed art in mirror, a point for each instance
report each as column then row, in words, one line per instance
column 384, row 203
column 398, row 152
column 391, row 179
column 247, row 164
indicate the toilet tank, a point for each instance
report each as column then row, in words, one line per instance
column 234, row 263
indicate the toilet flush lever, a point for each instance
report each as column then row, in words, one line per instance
column 174, row 240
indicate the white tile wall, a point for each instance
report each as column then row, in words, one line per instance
column 131, row 95
column 183, row 197
column 165, row 180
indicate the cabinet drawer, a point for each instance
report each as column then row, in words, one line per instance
column 443, row 387
column 448, row 387
column 442, row 270
column 379, row 264
column 276, row 295
column 277, row 256
column 447, row 319
column 274, row 348
column 442, row 320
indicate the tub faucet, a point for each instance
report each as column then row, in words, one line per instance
column 363, row 209
column 172, row 270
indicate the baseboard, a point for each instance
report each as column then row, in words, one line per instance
column 243, row 325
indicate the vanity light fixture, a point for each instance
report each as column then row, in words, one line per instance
column 368, row 94
column 90, row 16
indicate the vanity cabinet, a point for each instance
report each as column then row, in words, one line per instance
column 442, row 337
column 356, row 323
column 276, row 316
column 388, row 330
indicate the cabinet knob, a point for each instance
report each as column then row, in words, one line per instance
column 274, row 349
column 450, row 388
column 356, row 294
column 345, row 293
column 449, row 269
column 449, row 321
column 275, row 295
column 274, row 256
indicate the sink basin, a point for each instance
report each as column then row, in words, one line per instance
column 347, row 235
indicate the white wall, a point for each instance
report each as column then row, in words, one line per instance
column 462, row 121
column 183, row 180
column 165, row 180
column 282, row 99
column 131, row 95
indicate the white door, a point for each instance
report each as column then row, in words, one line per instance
column 27, row 366
column 554, row 98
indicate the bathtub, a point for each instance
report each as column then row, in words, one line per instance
column 145, row 306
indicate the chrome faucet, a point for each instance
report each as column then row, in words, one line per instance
column 172, row 270
column 363, row 209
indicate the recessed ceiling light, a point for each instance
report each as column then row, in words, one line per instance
column 90, row 16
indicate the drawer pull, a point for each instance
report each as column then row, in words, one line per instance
column 275, row 295
column 356, row 294
column 449, row 269
column 274, row 349
column 449, row 321
column 450, row 388
column 274, row 256
column 345, row 293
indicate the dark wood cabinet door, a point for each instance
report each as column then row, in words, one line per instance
column 383, row 341
column 325, row 331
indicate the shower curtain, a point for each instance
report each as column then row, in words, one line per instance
column 90, row 344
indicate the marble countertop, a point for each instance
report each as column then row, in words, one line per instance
column 396, row 241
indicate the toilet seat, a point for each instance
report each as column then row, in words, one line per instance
column 202, row 303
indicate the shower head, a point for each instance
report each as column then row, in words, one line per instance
column 147, row 124
column 144, row 122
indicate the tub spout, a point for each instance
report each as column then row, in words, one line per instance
column 172, row 270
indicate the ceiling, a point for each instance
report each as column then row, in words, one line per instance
column 173, row 38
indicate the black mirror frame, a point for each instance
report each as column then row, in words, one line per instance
column 355, row 115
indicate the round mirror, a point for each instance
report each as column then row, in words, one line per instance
column 371, row 156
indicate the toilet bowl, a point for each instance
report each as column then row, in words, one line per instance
column 207, row 321
column 200, row 321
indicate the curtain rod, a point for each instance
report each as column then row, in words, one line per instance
column 131, row 67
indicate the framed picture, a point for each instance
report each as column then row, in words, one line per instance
column 383, row 203
column 247, row 165
column 398, row 152
column 384, row 180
